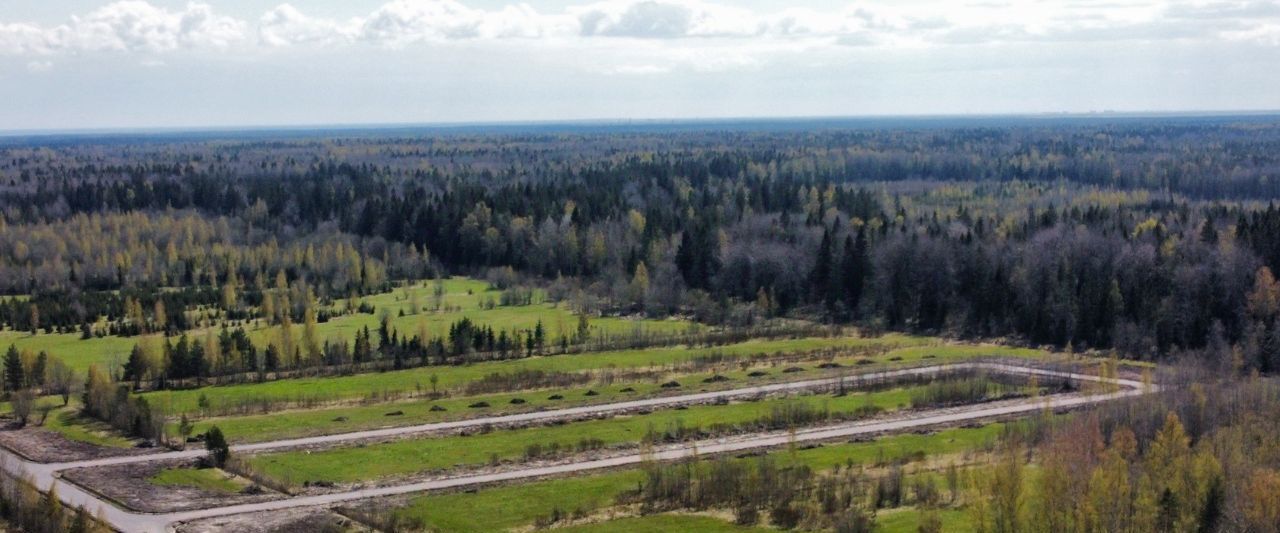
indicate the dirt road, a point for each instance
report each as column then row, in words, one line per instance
column 44, row 475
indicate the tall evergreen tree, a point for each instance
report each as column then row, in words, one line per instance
column 136, row 366
column 14, row 375
column 854, row 269
column 820, row 276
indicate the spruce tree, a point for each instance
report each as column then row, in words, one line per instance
column 854, row 267
column 14, row 376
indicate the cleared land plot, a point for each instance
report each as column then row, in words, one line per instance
column 307, row 422
column 663, row 523
column 514, row 506
column 395, row 384
column 168, row 486
column 413, row 456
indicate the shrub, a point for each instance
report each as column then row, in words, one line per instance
column 219, row 450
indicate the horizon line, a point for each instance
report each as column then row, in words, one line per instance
column 108, row 131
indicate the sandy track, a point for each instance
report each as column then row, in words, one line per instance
column 45, row 475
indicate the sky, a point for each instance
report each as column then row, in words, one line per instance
column 93, row 64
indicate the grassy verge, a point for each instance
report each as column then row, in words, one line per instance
column 299, row 423
column 370, row 414
column 209, row 479
column 514, row 506
column 71, row 424
column 663, row 523
column 418, row 380
column 413, row 456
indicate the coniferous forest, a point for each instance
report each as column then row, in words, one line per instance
column 1068, row 324
column 1151, row 236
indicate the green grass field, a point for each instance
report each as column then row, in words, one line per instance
column 71, row 424
column 900, row 520
column 662, row 523
column 463, row 294
column 299, row 423
column 515, row 506
column 403, row 457
column 76, row 353
column 334, row 388
column 467, row 295
column 210, row 479
column 907, row 520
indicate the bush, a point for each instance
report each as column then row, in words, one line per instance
column 22, row 402
column 219, row 450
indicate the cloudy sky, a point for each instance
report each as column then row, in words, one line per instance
column 160, row 63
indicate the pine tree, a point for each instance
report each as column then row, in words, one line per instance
column 216, row 443
column 38, row 370
column 820, row 276
column 136, row 367
column 854, row 269
column 1208, row 234
column 271, row 359
column 14, row 376
column 539, row 336
column 584, row 327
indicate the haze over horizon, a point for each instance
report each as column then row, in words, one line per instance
column 89, row 64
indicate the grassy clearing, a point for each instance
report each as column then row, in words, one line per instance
column 663, row 523
column 298, row 423
column 77, row 353
column 463, row 298
column 370, row 413
column 301, row 423
column 907, row 520
column 331, row 388
column 364, row 463
column 514, row 506
column 67, row 421
column 71, row 424
column 209, row 479
column 407, row 457
column 901, row 520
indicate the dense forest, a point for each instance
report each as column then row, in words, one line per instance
column 1153, row 237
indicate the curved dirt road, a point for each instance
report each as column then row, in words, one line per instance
column 45, row 475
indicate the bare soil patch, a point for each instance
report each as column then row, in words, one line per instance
column 129, row 485
column 45, row 446
column 304, row 520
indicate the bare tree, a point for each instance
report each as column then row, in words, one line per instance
column 62, row 380
column 22, row 402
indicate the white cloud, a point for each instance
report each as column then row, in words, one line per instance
column 23, row 39
column 133, row 26
column 665, row 19
column 136, row 26
column 284, row 25
column 401, row 22
column 127, row 26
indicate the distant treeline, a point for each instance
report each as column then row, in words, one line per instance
column 1146, row 236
